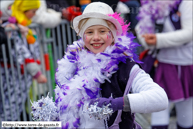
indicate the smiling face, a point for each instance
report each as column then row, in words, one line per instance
column 97, row 38
column 30, row 13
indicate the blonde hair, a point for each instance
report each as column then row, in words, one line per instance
column 110, row 24
column 81, row 24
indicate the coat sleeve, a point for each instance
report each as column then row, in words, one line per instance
column 182, row 36
column 147, row 96
column 49, row 18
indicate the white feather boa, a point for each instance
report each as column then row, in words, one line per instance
column 81, row 72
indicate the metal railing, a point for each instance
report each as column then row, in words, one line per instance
column 52, row 44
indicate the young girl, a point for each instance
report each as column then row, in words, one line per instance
column 175, row 61
column 27, row 52
column 98, row 67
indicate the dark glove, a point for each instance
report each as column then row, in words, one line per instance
column 116, row 104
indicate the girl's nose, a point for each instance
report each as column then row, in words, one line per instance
column 96, row 36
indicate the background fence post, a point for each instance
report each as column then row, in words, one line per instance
column 51, row 61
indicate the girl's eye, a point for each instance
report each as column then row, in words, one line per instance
column 89, row 32
column 102, row 31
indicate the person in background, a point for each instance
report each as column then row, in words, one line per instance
column 174, row 70
column 3, row 38
column 71, row 12
column 133, row 6
column 57, row 5
column 45, row 14
column 42, row 15
column 84, row 3
column 112, row 3
column 25, row 52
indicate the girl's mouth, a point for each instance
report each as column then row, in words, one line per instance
column 97, row 45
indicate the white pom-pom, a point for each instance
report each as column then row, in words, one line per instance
column 99, row 112
column 44, row 110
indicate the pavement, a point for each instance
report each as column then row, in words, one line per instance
column 145, row 120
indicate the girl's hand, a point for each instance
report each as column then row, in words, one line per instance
column 116, row 104
column 11, row 25
column 41, row 79
column 150, row 39
column 23, row 29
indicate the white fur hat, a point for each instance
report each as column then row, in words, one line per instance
column 97, row 10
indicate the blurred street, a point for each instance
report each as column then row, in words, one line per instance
column 145, row 120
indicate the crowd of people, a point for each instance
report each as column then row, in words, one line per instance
column 102, row 68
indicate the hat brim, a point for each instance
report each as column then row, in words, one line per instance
column 77, row 19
